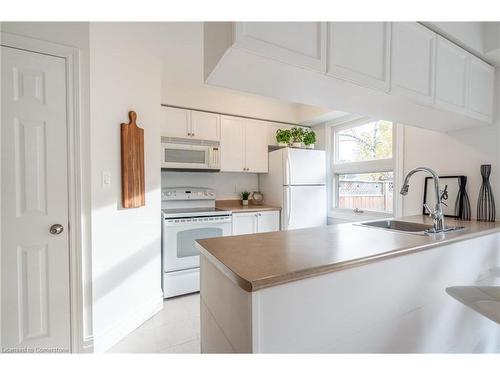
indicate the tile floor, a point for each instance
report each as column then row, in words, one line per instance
column 175, row 329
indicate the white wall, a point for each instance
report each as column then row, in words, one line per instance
column 73, row 34
column 455, row 153
column 227, row 185
column 126, row 243
column 449, row 154
column 180, row 45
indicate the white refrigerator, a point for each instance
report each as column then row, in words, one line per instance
column 297, row 183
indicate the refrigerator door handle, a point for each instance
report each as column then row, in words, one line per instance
column 288, row 171
column 289, row 206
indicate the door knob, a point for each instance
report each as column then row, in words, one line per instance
column 56, row 229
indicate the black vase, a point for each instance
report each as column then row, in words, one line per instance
column 486, row 201
column 462, row 203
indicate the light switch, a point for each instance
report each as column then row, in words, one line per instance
column 106, row 179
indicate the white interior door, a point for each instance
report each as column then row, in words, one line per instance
column 305, row 207
column 34, row 197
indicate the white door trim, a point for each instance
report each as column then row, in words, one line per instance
column 78, row 189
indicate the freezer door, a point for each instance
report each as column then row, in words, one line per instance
column 304, row 207
column 304, row 167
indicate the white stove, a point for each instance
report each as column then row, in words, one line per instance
column 188, row 214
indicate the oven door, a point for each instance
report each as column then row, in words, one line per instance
column 179, row 236
column 181, row 156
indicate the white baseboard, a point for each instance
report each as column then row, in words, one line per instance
column 123, row 327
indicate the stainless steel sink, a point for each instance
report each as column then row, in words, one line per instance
column 406, row 226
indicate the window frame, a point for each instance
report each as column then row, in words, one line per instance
column 394, row 165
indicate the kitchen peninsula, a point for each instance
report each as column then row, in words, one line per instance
column 346, row 288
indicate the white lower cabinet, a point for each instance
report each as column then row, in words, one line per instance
column 256, row 222
column 244, row 223
column 268, row 221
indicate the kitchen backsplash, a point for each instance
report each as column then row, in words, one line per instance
column 226, row 185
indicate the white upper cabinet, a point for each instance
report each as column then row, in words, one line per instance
column 359, row 52
column 205, row 125
column 256, row 151
column 243, row 145
column 176, row 122
column 413, row 49
column 297, row 43
column 481, row 89
column 183, row 123
column 451, row 76
column 232, row 152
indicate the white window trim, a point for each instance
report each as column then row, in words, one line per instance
column 395, row 164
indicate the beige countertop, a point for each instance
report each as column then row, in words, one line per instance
column 235, row 206
column 257, row 261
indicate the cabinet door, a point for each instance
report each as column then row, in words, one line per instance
column 481, row 89
column 296, row 43
column 359, row 52
column 176, row 122
column 205, row 126
column 412, row 61
column 451, row 76
column 256, row 151
column 232, row 144
column 268, row 221
column 244, row 223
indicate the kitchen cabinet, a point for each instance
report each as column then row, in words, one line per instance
column 428, row 80
column 451, row 76
column 184, row 123
column 268, row 221
column 244, row 223
column 481, row 89
column 297, row 43
column 243, row 145
column 256, row 222
column 359, row 52
column 256, row 147
column 176, row 122
column 205, row 125
column 412, row 61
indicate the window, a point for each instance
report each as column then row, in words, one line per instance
column 364, row 169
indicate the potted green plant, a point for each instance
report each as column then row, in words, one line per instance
column 309, row 138
column 283, row 137
column 297, row 137
column 244, row 198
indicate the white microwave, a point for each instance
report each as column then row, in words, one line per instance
column 188, row 154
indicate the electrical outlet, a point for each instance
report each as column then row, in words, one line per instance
column 106, row 179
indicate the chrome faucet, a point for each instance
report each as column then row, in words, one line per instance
column 436, row 215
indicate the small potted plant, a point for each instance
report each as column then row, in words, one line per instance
column 244, row 198
column 283, row 137
column 309, row 138
column 297, row 137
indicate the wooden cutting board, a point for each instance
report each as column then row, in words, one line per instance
column 132, row 154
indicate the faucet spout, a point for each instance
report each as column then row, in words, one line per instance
column 437, row 214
